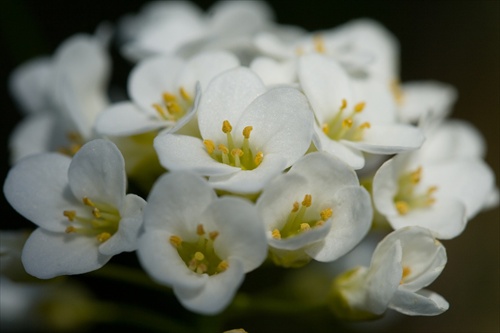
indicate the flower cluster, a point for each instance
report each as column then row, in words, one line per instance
column 252, row 144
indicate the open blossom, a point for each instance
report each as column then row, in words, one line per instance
column 62, row 96
column 80, row 206
column 163, row 93
column 343, row 127
column 179, row 27
column 440, row 186
column 404, row 262
column 199, row 244
column 248, row 134
column 316, row 210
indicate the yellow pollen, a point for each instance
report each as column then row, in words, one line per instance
column 319, row 44
column 184, row 94
column 276, row 234
column 258, row 158
column 325, row 128
column 223, row 149
column 96, row 212
column 347, row 123
column 199, row 256
column 406, row 272
column 213, row 235
column 168, row 97
column 209, row 146
column 246, row 131
column 402, row 207
column 416, row 175
column 432, row 189
column 326, row 213
column 237, row 152
column 176, row 241
column 359, row 107
column 88, row 202
column 200, row 230
column 104, row 236
column 70, row 214
column 161, row 111
column 295, row 206
column 173, row 107
column 307, row 200
column 344, row 104
column 365, row 125
column 70, row 229
column 222, row 266
column 226, row 127
column 305, row 227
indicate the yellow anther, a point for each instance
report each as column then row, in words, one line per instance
column 209, row 146
column 168, row 97
column 344, row 104
column 198, row 256
column 347, row 123
column 276, row 234
column 237, row 152
column 319, row 44
column 258, row 158
column 305, row 227
column 223, row 149
column 430, row 201
column 326, row 213
column 88, row 202
column 226, row 127
column 222, row 266
column 200, row 230
column 246, row 131
column 416, row 175
column 103, row 236
column 174, row 107
column 406, row 272
column 161, row 111
column 202, row 268
column 402, row 207
column 176, row 241
column 325, row 128
column 319, row 223
column 295, row 206
column 70, row 214
column 432, row 189
column 307, row 200
column 213, row 235
column 359, row 107
column 184, row 94
column 70, row 229
column 96, row 212
column 365, row 125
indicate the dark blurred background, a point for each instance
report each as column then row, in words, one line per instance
column 456, row 42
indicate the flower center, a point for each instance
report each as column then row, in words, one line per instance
column 406, row 272
column 173, row 107
column 296, row 223
column 408, row 198
column 75, row 142
column 241, row 157
column 345, row 126
column 102, row 220
column 200, row 256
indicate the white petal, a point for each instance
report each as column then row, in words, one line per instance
column 125, row 239
column 272, row 72
column 351, row 156
column 389, row 139
column 37, row 187
column 325, row 84
column 153, row 77
column 420, row 303
column 225, row 98
column 182, row 152
column 125, row 118
column 352, row 217
column 241, row 17
column 97, row 171
column 177, row 203
column 217, row 293
column 241, row 231
column 282, row 123
column 250, row 181
column 303, row 240
column 47, row 254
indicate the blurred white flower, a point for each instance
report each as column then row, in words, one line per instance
column 199, row 244
column 80, row 206
column 316, row 210
column 249, row 134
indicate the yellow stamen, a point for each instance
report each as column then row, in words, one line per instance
column 347, row 123
column 365, row 125
column 174, row 107
column 222, row 266
column 319, row 44
column 359, row 107
column 416, row 175
column 258, row 158
column 209, row 146
column 307, row 200
column 199, row 256
column 96, row 212
column 319, row 223
column 344, row 104
column 406, row 272
column 176, row 241
column 305, row 227
column 325, row 128
column 88, row 202
column 326, row 213
column 200, row 230
column 70, row 229
column 226, row 127
column 276, row 234
column 168, row 97
column 184, row 94
column 161, row 111
column 295, row 207
column 104, row 236
column 246, row 131
column 402, row 207
column 213, row 235
column 223, row 149
column 70, row 214
column 236, row 152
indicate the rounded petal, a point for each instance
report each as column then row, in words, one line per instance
column 420, row 303
column 37, row 188
column 125, row 118
column 273, row 72
column 182, row 152
column 352, row 217
column 97, row 171
column 47, row 254
column 385, row 185
column 151, row 78
column 351, row 156
column 225, row 98
column 311, row 238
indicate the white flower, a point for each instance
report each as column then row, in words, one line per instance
column 404, row 262
column 440, row 186
column 179, row 27
column 163, row 93
column 249, row 134
column 80, row 207
column 316, row 210
column 273, row 72
column 62, row 96
column 343, row 127
column 199, row 244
